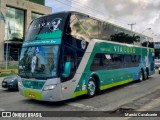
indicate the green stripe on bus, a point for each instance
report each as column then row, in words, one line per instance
column 32, row 94
column 42, row 42
column 48, row 35
column 115, row 84
column 79, row 93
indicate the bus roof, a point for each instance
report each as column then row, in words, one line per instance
column 70, row 12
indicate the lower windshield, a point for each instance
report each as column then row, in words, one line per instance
column 38, row 62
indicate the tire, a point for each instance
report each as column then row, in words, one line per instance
column 91, row 87
column 147, row 74
column 141, row 76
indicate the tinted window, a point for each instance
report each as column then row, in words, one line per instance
column 97, row 63
column 114, row 61
column 83, row 27
column 70, row 55
column 78, row 28
column 47, row 27
column 116, row 34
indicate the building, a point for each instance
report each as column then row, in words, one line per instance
column 15, row 17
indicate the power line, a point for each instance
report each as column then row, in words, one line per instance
column 102, row 14
column 87, row 7
column 66, row 4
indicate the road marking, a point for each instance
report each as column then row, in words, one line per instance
column 82, row 106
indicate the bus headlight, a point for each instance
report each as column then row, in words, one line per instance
column 49, row 87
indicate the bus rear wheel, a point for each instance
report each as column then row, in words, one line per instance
column 91, row 88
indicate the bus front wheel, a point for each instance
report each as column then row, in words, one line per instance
column 91, row 88
column 141, row 76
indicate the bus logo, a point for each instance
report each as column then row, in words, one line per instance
column 83, row 44
column 52, row 25
column 55, row 23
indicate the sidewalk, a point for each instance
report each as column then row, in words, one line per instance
column 1, row 78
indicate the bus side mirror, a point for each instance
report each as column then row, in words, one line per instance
column 67, row 69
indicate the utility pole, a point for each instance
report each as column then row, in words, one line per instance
column 132, row 25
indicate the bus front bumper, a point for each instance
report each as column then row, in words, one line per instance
column 41, row 95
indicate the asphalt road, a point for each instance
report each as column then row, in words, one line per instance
column 137, row 96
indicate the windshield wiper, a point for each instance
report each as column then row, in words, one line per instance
column 23, row 76
column 26, row 75
column 43, row 77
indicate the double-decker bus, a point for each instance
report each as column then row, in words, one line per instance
column 69, row 54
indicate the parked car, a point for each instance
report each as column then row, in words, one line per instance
column 10, row 82
column 157, row 63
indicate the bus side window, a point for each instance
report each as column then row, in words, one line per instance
column 98, row 62
column 69, row 56
column 95, row 63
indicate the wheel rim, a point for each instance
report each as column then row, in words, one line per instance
column 141, row 77
column 91, row 88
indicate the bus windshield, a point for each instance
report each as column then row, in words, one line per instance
column 39, row 62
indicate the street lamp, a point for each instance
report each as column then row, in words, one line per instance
column 146, row 29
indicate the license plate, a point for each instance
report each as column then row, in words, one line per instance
column 32, row 95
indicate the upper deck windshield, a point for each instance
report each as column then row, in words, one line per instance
column 39, row 62
column 47, row 27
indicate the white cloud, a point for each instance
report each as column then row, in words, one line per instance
column 119, row 7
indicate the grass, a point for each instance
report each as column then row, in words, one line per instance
column 10, row 71
column 6, row 74
column 9, row 67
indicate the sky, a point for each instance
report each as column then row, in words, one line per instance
column 145, row 14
